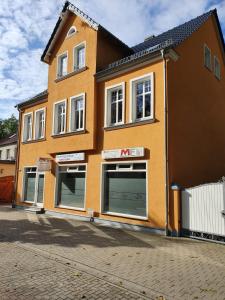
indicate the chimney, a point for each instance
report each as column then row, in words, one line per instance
column 148, row 38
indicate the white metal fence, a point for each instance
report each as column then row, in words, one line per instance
column 203, row 209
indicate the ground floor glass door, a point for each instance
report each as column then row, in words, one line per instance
column 39, row 189
column 33, row 186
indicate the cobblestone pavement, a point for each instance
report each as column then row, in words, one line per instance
column 43, row 257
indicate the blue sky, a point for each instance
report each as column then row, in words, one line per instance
column 26, row 25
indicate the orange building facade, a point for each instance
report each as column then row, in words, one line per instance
column 118, row 126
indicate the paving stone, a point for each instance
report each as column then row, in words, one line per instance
column 43, row 257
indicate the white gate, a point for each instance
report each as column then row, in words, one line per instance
column 203, row 211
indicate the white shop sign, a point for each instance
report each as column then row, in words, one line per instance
column 123, row 153
column 70, row 157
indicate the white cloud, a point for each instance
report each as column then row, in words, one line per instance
column 26, row 25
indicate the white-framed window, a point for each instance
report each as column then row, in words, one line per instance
column 207, row 57
column 142, row 98
column 124, row 189
column 27, row 127
column 77, row 112
column 71, row 186
column 29, row 183
column 114, row 105
column 39, row 124
column 0, row 154
column 79, row 56
column 59, row 118
column 62, row 64
column 217, row 71
column 71, row 31
column 8, row 154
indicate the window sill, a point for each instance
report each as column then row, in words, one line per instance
column 127, row 125
column 70, row 74
column 69, row 134
column 125, row 216
column 70, row 207
column 34, row 141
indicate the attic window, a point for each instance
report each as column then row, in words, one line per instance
column 71, row 31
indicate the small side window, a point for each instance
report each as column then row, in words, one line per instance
column 207, row 57
column 79, row 57
column 62, row 65
column 27, row 127
column 59, row 118
column 217, row 68
column 71, row 31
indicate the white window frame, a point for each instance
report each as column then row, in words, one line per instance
column 102, row 177
column 218, row 76
column 75, row 50
column 208, row 67
column 24, row 117
column 69, row 34
column 1, row 154
column 23, row 184
column 8, row 154
column 83, row 95
column 36, row 129
column 59, row 64
column 53, row 121
column 108, row 90
column 85, row 186
column 134, row 81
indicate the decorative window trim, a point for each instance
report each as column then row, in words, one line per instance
column 107, row 116
column 74, row 55
column 83, row 95
column 58, row 65
column 53, row 120
column 35, row 120
column 205, row 64
column 23, row 137
column 69, row 34
column 218, row 76
column 102, row 176
column 133, row 100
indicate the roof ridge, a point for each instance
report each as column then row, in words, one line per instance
column 82, row 14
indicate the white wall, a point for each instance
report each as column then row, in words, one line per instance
column 12, row 152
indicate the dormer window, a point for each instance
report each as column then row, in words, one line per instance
column 62, row 65
column 71, row 31
column 79, row 56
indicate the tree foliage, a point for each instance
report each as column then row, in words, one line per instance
column 8, row 126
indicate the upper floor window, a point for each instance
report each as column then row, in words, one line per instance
column 40, row 124
column 59, row 126
column 207, row 57
column 62, row 65
column 79, row 56
column 77, row 112
column 114, row 105
column 71, row 31
column 217, row 67
column 0, row 154
column 27, row 127
column 142, row 98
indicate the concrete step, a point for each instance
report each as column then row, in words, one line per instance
column 35, row 210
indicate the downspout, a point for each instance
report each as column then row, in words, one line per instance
column 166, row 142
column 17, row 162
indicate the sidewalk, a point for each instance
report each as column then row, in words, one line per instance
column 43, row 257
